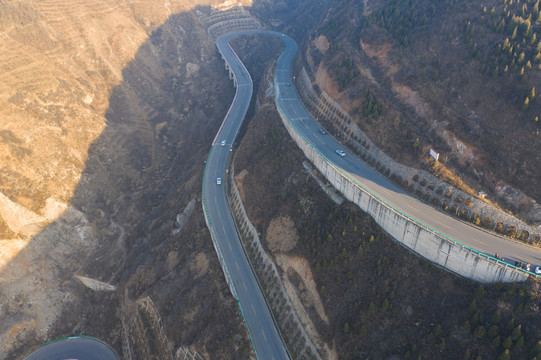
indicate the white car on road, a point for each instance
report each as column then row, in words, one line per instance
column 222, row 143
column 219, row 181
column 342, row 153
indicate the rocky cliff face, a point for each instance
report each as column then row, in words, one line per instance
column 107, row 110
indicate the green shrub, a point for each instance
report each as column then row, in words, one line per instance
column 479, row 332
column 475, row 319
column 497, row 317
column 443, row 345
column 511, row 323
column 497, row 341
column 520, row 342
column 536, row 349
column 480, row 292
column 504, row 355
column 517, row 332
column 493, row 331
column 507, row 342
column 363, row 331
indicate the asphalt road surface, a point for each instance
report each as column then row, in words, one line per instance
column 264, row 334
column 75, row 348
column 265, row 337
column 383, row 188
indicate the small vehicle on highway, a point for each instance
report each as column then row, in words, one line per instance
column 322, row 131
column 341, row 153
column 288, row 84
column 218, row 181
column 223, row 143
column 538, row 270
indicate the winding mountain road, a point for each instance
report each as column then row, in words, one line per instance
column 359, row 172
column 263, row 332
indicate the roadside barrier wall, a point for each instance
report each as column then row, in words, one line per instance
column 435, row 247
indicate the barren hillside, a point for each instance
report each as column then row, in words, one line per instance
column 107, row 111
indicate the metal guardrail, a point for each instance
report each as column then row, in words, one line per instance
column 390, row 207
column 221, row 257
column 209, row 223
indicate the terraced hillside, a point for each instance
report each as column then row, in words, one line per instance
column 107, row 110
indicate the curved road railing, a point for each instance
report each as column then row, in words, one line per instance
column 75, row 347
column 219, row 243
column 377, row 198
column 263, row 332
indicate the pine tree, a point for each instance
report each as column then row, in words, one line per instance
column 517, row 332
column 504, row 355
column 497, row 317
column 532, row 93
column 507, row 343
column 526, row 104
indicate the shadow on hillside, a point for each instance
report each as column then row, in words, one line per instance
column 120, row 228
column 142, row 171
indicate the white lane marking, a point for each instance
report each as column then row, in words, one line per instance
column 444, row 225
column 236, row 263
column 253, row 308
column 479, row 241
column 245, row 288
column 262, row 332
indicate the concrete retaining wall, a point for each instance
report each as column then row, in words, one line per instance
column 450, row 255
column 344, row 127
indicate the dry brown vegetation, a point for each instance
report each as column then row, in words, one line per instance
column 108, row 111
column 380, row 301
column 430, row 64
